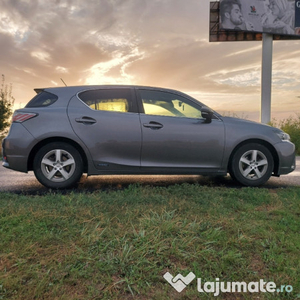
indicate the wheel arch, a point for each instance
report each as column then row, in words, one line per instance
column 57, row 139
column 269, row 146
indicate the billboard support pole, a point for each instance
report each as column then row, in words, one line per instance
column 266, row 77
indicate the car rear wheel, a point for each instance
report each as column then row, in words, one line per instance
column 58, row 165
column 252, row 165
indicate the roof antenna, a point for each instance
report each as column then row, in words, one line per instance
column 63, row 82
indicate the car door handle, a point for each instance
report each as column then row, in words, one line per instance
column 153, row 125
column 86, row 120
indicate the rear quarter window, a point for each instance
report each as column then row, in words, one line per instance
column 42, row 99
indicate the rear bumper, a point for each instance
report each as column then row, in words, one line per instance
column 16, row 148
column 4, row 163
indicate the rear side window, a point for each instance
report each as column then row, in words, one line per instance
column 117, row 100
column 42, row 99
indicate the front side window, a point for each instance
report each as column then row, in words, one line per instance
column 108, row 100
column 168, row 104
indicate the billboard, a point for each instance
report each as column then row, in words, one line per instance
column 281, row 17
column 297, row 14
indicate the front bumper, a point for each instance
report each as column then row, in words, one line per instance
column 287, row 157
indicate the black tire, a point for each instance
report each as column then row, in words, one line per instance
column 252, row 165
column 58, row 165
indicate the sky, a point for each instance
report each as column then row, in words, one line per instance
column 162, row 43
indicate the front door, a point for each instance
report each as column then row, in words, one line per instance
column 175, row 135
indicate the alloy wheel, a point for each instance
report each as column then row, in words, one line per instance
column 58, row 165
column 253, row 164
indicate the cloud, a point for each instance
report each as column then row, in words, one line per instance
column 157, row 42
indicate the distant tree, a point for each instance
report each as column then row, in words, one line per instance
column 6, row 105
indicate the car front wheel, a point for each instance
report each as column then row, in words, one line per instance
column 58, row 165
column 252, row 165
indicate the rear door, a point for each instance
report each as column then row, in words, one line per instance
column 106, row 120
column 175, row 136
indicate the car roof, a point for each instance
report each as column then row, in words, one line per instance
column 69, row 91
column 79, row 88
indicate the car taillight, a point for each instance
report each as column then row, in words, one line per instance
column 20, row 117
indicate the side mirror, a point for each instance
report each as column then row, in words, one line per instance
column 207, row 114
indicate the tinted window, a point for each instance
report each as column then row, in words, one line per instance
column 168, row 104
column 118, row 100
column 42, row 99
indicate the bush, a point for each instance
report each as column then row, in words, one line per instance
column 291, row 126
column 6, row 105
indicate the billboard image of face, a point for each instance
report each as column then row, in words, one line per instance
column 271, row 16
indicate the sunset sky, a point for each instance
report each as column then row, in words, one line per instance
column 145, row 42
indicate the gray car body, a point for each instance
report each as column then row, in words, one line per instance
column 118, row 143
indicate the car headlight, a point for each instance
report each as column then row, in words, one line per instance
column 283, row 136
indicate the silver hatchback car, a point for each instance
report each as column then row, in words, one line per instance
column 67, row 131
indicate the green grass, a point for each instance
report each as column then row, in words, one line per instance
column 117, row 244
